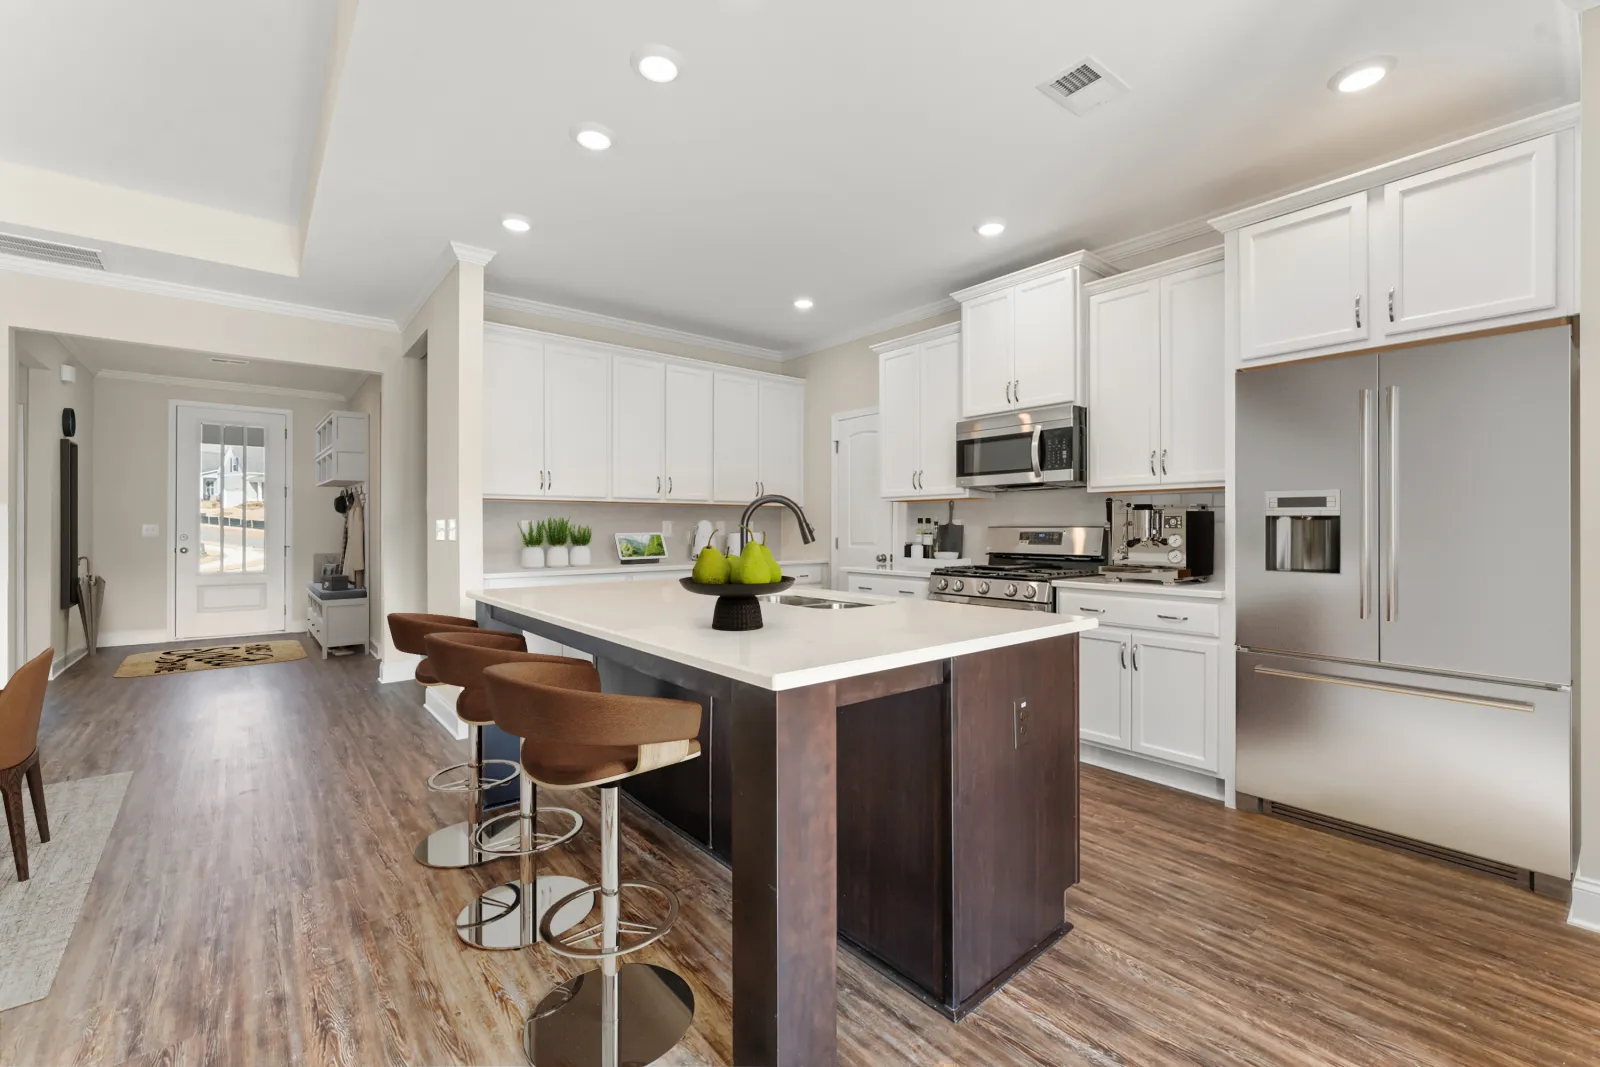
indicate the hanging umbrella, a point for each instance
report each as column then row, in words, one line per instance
column 91, row 595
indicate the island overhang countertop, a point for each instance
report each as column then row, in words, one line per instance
column 797, row 646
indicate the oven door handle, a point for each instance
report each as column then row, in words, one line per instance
column 1038, row 467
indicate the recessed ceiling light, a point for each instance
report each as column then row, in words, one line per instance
column 592, row 136
column 805, row 303
column 1363, row 75
column 992, row 228
column 516, row 224
column 657, row 63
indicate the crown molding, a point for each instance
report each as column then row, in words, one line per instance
column 227, row 387
column 642, row 329
column 893, row 322
column 949, row 329
column 1150, row 242
column 180, row 291
column 1204, row 257
column 1087, row 260
column 1512, row 133
column 466, row 253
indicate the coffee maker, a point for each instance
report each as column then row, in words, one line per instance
column 1162, row 544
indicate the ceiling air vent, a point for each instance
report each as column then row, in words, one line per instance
column 49, row 251
column 1084, row 87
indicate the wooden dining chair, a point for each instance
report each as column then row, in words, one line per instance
column 21, row 703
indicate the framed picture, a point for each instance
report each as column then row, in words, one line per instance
column 641, row 547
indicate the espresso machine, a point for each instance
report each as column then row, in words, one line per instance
column 1152, row 543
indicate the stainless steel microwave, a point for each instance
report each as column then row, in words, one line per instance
column 1046, row 448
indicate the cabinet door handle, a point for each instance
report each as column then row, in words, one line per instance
column 1173, row 618
column 1152, row 463
column 1124, row 650
column 1008, row 391
column 669, row 485
column 1391, row 303
column 1135, row 657
column 1016, row 391
column 1163, row 462
column 658, row 483
column 907, row 592
column 1092, row 611
column 1358, row 313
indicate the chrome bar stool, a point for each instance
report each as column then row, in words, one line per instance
column 451, row 846
column 496, row 919
column 576, row 739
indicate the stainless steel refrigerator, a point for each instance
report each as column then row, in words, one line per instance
column 1405, row 596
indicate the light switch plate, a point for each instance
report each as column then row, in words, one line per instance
column 438, row 529
column 666, row 529
column 450, row 530
column 150, row 529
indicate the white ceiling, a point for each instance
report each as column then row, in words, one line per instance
column 97, row 355
column 838, row 149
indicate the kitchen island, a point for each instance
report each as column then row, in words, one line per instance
column 901, row 774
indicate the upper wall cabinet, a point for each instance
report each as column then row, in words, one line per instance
column 1443, row 243
column 578, row 420
column 1157, row 376
column 918, row 408
column 1020, row 337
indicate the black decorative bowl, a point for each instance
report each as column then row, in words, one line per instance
column 737, row 607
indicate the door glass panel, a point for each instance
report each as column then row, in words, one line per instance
column 255, row 492
column 233, row 479
column 210, row 547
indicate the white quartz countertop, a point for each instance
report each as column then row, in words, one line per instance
column 664, row 567
column 797, row 646
column 1201, row 591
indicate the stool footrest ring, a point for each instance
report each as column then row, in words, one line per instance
column 566, row 944
column 465, row 784
column 491, row 828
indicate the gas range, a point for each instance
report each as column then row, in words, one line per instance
column 1023, row 561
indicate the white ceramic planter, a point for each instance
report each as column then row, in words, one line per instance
column 555, row 556
column 533, row 558
column 580, row 555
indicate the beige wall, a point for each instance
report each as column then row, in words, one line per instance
column 402, row 583
column 369, row 401
column 131, row 490
column 1588, row 510
column 842, row 378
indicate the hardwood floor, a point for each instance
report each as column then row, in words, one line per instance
column 257, row 904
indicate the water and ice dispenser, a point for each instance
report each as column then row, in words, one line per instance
column 1303, row 531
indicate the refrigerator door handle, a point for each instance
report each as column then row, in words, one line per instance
column 1402, row 690
column 1391, row 598
column 1366, row 498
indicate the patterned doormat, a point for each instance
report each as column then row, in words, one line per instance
column 208, row 658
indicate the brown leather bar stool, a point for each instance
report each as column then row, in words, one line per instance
column 573, row 739
column 21, row 704
column 451, row 846
column 496, row 918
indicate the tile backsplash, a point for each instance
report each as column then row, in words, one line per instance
column 502, row 544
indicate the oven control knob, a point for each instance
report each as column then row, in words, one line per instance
column 1030, row 591
column 1175, row 540
column 942, row 584
column 983, row 588
column 957, row 585
column 1011, row 590
column 1174, row 556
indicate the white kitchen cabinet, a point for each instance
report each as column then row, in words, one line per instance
column 1125, row 386
column 1105, row 687
column 639, row 428
column 1020, row 337
column 1471, row 241
column 342, row 457
column 1174, row 699
column 513, row 416
column 887, row 585
column 577, row 423
column 918, row 407
column 735, row 421
column 1157, row 376
column 690, row 407
column 781, row 458
column 1303, row 280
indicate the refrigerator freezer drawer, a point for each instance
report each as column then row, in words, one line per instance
column 1478, row 767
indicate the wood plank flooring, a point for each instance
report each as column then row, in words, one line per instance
column 257, row 904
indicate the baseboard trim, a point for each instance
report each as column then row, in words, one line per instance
column 1197, row 782
column 440, row 702
column 1585, row 911
column 118, row 638
column 400, row 667
column 65, row 663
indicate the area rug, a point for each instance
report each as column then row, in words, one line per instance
column 37, row 916
column 208, row 658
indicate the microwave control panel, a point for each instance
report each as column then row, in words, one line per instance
column 1055, row 447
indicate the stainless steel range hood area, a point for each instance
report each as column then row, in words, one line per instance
column 1404, row 583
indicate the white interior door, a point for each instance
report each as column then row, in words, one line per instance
column 231, row 521
column 862, row 519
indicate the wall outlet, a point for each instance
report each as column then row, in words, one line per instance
column 666, row 529
column 150, row 529
column 438, row 529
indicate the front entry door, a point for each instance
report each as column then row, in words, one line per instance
column 230, row 523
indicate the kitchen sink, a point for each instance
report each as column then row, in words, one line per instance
column 820, row 603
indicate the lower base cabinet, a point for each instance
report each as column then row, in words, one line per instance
column 1150, row 694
